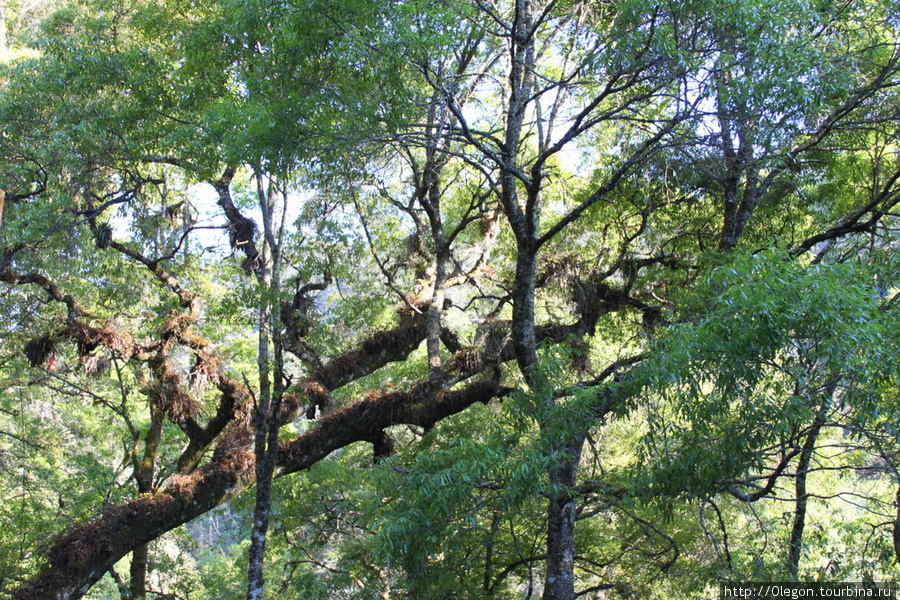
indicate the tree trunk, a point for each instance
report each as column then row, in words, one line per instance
column 144, row 471
column 795, row 546
column 560, row 581
column 140, row 559
column 266, row 425
column 523, row 325
column 263, row 469
column 266, row 448
column 430, row 199
column 436, row 308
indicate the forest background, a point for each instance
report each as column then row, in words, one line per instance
column 447, row 299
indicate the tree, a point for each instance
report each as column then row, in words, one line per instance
column 693, row 198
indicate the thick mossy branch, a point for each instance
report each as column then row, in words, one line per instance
column 81, row 557
column 375, row 352
column 366, row 419
column 380, row 349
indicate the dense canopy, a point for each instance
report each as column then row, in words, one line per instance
column 447, row 299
